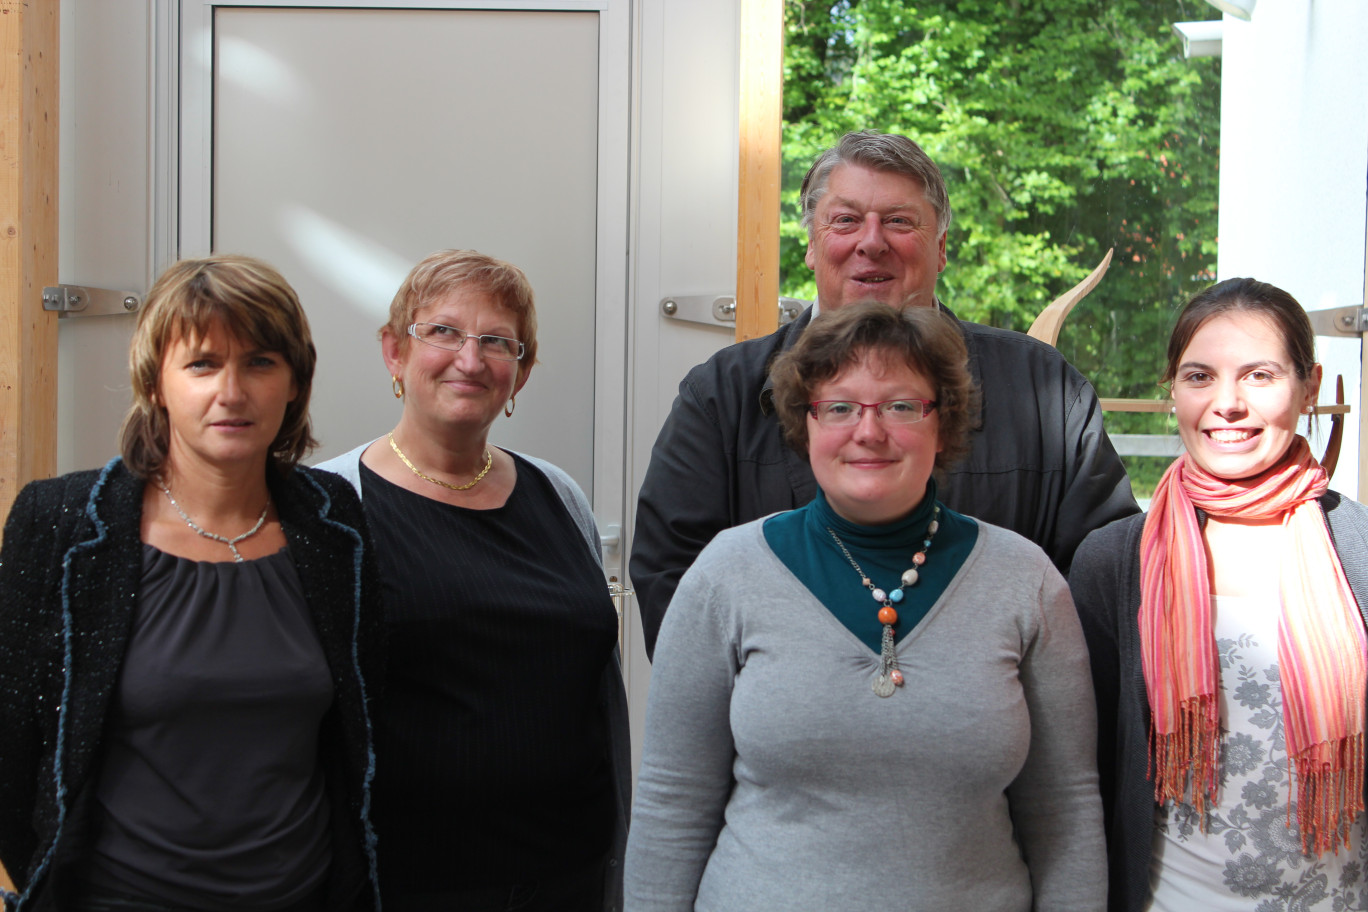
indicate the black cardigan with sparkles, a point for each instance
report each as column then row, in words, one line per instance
column 69, row 574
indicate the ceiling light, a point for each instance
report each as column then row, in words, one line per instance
column 1240, row 9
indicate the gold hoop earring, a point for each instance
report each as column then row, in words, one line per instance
column 512, row 404
column 398, row 386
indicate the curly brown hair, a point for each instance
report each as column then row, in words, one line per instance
column 923, row 338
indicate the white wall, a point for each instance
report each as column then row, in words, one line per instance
column 1294, row 169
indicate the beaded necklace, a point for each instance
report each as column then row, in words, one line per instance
column 890, row 676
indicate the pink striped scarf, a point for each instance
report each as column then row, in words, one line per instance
column 1322, row 651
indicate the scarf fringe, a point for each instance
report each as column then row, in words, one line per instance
column 1329, row 794
column 1186, row 759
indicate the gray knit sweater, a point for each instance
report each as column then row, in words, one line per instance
column 773, row 778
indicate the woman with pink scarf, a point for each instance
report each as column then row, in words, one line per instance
column 1226, row 637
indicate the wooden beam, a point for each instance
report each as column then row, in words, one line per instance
column 28, row 243
column 1163, row 405
column 762, row 112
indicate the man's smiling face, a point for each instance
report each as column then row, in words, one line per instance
column 874, row 238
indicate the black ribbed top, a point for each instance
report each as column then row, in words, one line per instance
column 492, row 756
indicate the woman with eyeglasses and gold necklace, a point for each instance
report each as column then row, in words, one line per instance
column 870, row 702
column 503, row 765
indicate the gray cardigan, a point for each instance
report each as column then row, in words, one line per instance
column 772, row 777
column 1105, row 580
column 612, row 694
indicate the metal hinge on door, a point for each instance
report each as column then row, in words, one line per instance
column 720, row 310
column 81, row 301
column 1339, row 321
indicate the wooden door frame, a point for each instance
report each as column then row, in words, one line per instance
column 28, row 249
column 761, row 115
column 28, row 243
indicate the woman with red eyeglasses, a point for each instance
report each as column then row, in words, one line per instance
column 870, row 702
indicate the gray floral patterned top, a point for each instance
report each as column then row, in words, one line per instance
column 1250, row 856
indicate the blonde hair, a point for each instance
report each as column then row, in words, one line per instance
column 250, row 300
column 446, row 270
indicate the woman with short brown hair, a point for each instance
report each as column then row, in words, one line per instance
column 870, row 702
column 188, row 636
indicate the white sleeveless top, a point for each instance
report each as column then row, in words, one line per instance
column 1250, row 859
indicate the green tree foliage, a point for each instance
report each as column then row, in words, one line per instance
column 1063, row 128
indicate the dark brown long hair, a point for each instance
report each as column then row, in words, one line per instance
column 1248, row 296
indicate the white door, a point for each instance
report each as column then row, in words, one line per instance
column 344, row 144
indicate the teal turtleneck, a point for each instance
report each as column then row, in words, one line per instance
column 800, row 539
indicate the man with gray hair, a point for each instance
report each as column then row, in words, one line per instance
column 876, row 211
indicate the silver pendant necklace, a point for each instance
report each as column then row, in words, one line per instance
column 230, row 542
column 890, row 676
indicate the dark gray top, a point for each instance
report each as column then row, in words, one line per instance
column 1105, row 581
column 70, row 576
column 211, row 794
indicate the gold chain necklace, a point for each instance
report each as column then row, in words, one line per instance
column 489, row 461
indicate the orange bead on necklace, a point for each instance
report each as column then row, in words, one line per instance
column 890, row 676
